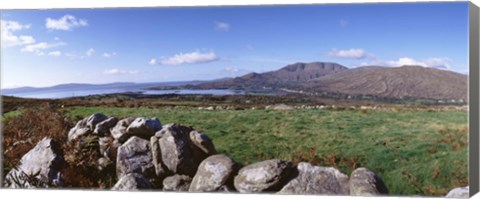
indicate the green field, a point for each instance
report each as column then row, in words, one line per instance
column 415, row 152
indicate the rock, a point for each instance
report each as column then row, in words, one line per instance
column 103, row 163
column 119, row 130
column 179, row 154
column 269, row 175
column 177, row 183
column 131, row 182
column 144, row 128
column 160, row 170
column 94, row 119
column 364, row 182
column 203, row 142
column 459, row 192
column 103, row 128
column 39, row 167
column 135, row 156
column 282, row 107
column 80, row 129
column 104, row 148
column 316, row 180
column 214, row 174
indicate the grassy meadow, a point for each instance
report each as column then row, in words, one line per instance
column 415, row 152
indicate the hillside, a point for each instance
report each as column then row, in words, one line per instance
column 395, row 82
column 285, row 77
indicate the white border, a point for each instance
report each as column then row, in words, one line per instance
column 56, row 4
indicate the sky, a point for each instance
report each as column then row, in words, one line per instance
column 56, row 46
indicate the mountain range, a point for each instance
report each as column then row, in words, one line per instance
column 392, row 82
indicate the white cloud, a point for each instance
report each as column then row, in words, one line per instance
column 108, row 55
column 222, row 26
column 39, row 47
column 435, row 62
column 343, row 22
column 55, row 53
column 67, row 22
column 152, row 61
column 90, row 52
column 353, row 53
column 116, row 71
column 190, row 58
column 235, row 71
column 9, row 39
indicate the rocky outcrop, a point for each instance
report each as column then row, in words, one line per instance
column 459, row 192
column 311, row 179
column 132, row 181
column 265, row 176
column 364, row 182
column 177, row 183
column 179, row 153
column 39, row 167
column 214, row 174
column 78, row 130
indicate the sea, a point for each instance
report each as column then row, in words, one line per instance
column 59, row 93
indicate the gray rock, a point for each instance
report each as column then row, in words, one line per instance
column 143, row 127
column 103, row 163
column 177, row 183
column 160, row 170
column 179, row 154
column 202, row 142
column 119, row 130
column 459, row 192
column 39, row 167
column 104, row 147
column 135, row 156
column 214, row 174
column 103, row 128
column 94, row 119
column 269, row 175
column 364, row 182
column 131, row 182
column 80, row 129
column 316, row 180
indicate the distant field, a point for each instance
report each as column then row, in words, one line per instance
column 415, row 152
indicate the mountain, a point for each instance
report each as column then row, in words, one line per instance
column 288, row 75
column 395, row 82
column 324, row 77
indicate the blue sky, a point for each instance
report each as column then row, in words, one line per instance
column 49, row 47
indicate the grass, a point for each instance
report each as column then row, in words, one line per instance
column 415, row 152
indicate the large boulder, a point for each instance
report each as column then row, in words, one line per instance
column 132, row 181
column 80, row 129
column 177, row 183
column 214, row 174
column 39, row 167
column 120, row 129
column 311, row 179
column 135, row 156
column 103, row 128
column 265, row 176
column 459, row 192
column 143, row 127
column 364, row 182
column 179, row 153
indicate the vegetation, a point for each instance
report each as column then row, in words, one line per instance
column 416, row 151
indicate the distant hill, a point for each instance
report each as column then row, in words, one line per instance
column 288, row 75
column 396, row 82
column 392, row 82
